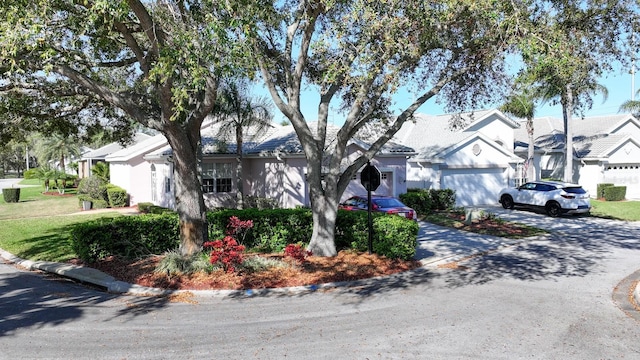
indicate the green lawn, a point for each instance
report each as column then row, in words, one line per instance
column 619, row 210
column 37, row 227
column 33, row 203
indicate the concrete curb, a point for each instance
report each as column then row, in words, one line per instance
column 83, row 274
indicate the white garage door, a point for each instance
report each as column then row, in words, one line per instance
column 624, row 175
column 474, row 186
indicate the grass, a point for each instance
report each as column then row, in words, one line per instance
column 38, row 226
column 33, row 203
column 618, row 210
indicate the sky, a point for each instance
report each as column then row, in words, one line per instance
column 618, row 83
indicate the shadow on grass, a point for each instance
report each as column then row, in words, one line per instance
column 56, row 245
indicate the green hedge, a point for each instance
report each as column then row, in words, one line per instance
column 615, row 193
column 425, row 201
column 393, row 236
column 600, row 189
column 150, row 208
column 117, row 196
column 126, row 236
column 11, row 195
column 272, row 231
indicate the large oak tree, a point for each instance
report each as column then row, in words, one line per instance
column 85, row 64
column 356, row 54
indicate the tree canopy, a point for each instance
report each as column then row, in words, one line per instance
column 357, row 54
column 69, row 64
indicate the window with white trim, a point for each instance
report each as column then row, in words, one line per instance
column 217, row 177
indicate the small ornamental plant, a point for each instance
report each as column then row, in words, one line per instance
column 228, row 252
column 238, row 228
column 296, row 252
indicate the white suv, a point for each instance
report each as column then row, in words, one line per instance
column 554, row 197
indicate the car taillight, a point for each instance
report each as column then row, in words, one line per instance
column 374, row 207
column 392, row 211
column 410, row 215
column 568, row 196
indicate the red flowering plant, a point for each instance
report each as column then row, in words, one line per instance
column 227, row 251
column 296, row 252
column 238, row 228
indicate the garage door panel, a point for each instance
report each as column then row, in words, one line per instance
column 474, row 186
column 625, row 175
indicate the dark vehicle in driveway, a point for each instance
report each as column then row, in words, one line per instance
column 554, row 197
column 384, row 204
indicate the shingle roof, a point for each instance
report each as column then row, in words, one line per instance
column 432, row 135
column 111, row 148
column 591, row 135
column 285, row 141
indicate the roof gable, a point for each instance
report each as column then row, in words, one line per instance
column 438, row 153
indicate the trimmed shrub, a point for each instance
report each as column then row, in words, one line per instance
column 615, row 193
column 393, row 236
column 600, row 189
column 99, row 204
column 94, row 187
column 424, row 201
column 117, row 196
column 418, row 199
column 129, row 237
column 11, row 195
column 145, row 207
column 150, row 208
column 30, row 174
column 273, row 229
column 352, row 229
column 443, row 199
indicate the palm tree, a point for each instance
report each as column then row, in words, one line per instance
column 521, row 104
column 235, row 111
column 631, row 106
column 57, row 147
column 101, row 170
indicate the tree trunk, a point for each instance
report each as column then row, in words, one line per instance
column 240, row 188
column 325, row 212
column 188, row 190
column 568, row 135
column 531, row 169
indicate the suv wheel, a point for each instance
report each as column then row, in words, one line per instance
column 553, row 209
column 507, row 201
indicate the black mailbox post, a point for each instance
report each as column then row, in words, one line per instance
column 370, row 179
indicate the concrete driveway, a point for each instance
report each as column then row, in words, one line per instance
column 437, row 244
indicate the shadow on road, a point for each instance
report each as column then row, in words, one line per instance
column 32, row 301
column 562, row 254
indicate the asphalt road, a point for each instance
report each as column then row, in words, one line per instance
column 545, row 298
column 7, row 183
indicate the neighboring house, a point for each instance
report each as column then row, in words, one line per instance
column 476, row 159
column 606, row 150
column 147, row 178
column 273, row 166
column 92, row 157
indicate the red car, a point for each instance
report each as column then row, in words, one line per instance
column 385, row 204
